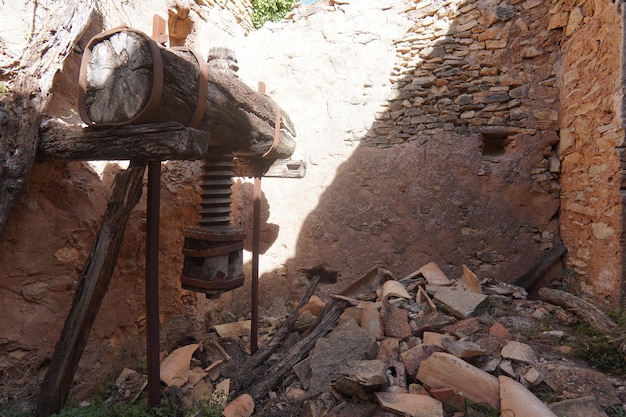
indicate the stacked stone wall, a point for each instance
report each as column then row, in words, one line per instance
column 592, row 145
column 241, row 9
column 483, row 67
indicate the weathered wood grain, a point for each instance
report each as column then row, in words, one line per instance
column 119, row 84
column 91, row 288
column 21, row 110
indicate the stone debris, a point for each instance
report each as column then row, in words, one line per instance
column 175, row 366
column 442, row 363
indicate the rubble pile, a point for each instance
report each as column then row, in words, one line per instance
column 423, row 346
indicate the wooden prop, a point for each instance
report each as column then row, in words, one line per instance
column 93, row 283
column 585, row 310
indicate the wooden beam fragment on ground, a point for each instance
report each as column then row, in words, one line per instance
column 528, row 278
column 299, row 351
column 253, row 367
column 585, row 310
column 93, row 283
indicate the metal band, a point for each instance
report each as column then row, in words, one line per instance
column 276, row 134
column 214, row 251
column 203, row 86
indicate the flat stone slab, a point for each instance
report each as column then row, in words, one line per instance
column 578, row 407
column 347, row 342
column 461, row 304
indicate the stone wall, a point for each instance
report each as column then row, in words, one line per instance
column 471, row 125
column 592, row 146
column 430, row 129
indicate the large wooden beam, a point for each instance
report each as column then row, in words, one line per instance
column 21, row 109
column 157, row 141
column 127, row 78
column 93, row 283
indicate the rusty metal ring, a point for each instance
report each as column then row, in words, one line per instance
column 203, row 86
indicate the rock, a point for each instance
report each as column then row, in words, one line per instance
column 413, row 405
column 242, row 406
column 499, row 330
column 303, row 370
column 517, row 401
column 578, row 407
column 463, row 328
column 432, row 321
column 304, row 321
column 314, row 306
column 443, row 370
column 434, row 275
column 395, row 321
column 469, row 281
column 533, row 377
column 201, row 391
column 433, row 338
column 128, row 385
column 175, row 366
column 367, row 373
column 393, row 288
column 463, row 349
column 461, row 304
column 296, row 395
column 345, row 343
column 371, row 322
column 413, row 357
column 520, row 352
column 224, row 387
column 235, row 329
column 575, row 382
column 389, row 350
column 196, row 375
column 448, row 397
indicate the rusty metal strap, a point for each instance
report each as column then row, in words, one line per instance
column 219, row 283
column 203, row 87
column 261, row 90
column 157, row 80
column 214, row 251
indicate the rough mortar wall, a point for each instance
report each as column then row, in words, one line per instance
column 592, row 146
column 430, row 131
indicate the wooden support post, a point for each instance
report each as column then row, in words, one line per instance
column 256, row 236
column 152, row 283
column 93, row 283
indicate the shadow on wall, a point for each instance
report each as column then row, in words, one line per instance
column 460, row 166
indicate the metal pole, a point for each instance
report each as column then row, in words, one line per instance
column 256, row 234
column 152, row 258
column 152, row 283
